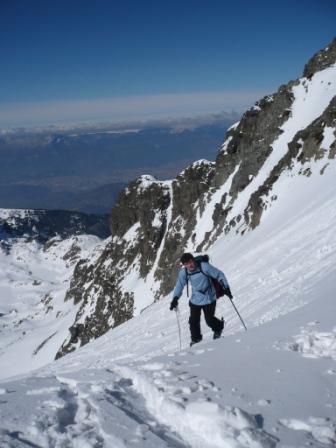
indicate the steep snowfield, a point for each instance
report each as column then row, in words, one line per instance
column 34, row 319
column 311, row 97
column 274, row 385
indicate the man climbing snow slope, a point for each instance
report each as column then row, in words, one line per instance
column 207, row 283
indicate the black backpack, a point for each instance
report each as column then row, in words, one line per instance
column 220, row 290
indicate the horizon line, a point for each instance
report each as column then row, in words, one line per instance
column 126, row 108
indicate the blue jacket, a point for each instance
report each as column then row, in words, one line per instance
column 203, row 291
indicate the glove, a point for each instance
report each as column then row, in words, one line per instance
column 227, row 292
column 174, row 303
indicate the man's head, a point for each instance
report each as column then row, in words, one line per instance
column 188, row 261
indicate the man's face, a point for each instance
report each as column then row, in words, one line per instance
column 190, row 265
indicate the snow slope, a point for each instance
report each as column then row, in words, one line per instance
column 272, row 386
column 34, row 319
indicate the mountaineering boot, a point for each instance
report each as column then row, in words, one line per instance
column 195, row 341
column 218, row 334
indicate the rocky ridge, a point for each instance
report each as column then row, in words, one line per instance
column 41, row 225
column 154, row 222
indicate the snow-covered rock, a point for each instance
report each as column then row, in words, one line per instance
column 272, row 157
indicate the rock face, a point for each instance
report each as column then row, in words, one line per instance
column 321, row 60
column 154, row 222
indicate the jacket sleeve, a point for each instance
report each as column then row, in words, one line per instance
column 180, row 284
column 216, row 273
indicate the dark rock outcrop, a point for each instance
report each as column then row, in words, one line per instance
column 321, row 60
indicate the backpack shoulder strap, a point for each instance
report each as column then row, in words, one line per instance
column 207, row 276
column 187, row 277
column 200, row 268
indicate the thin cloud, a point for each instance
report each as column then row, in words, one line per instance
column 125, row 108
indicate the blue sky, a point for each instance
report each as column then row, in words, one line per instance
column 95, row 60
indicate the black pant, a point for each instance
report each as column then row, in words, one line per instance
column 209, row 315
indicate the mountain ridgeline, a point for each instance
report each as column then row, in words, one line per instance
column 284, row 135
column 43, row 225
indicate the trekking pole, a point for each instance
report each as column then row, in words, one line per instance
column 234, row 306
column 178, row 325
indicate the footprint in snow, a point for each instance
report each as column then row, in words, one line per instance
column 263, row 402
column 184, row 376
column 199, row 351
column 153, row 366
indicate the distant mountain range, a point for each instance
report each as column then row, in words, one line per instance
column 97, row 200
column 85, row 167
column 43, row 225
